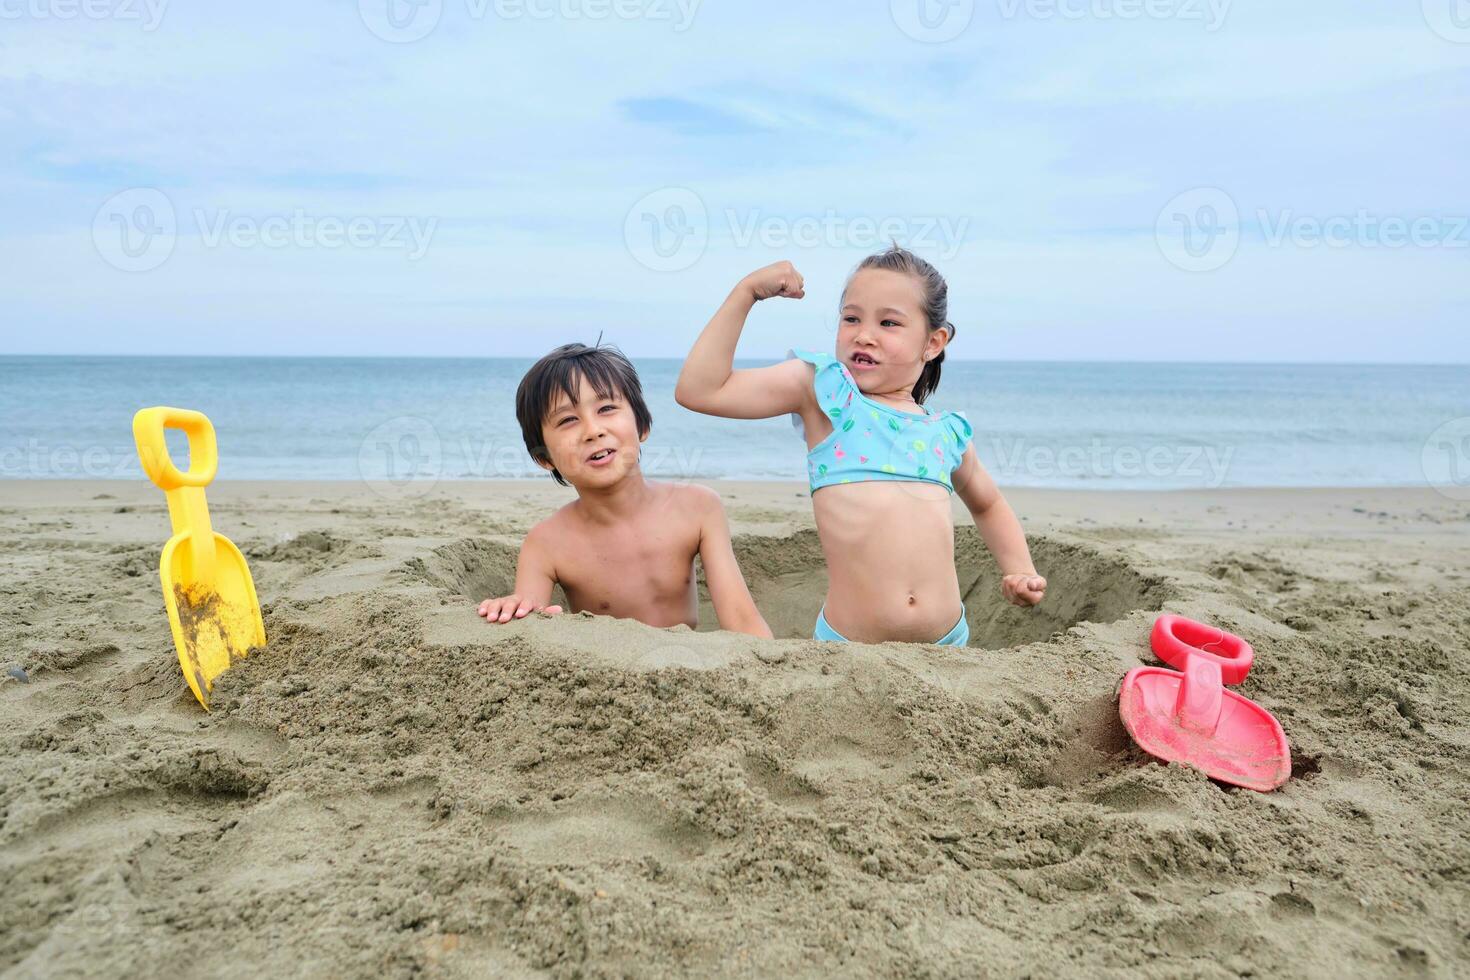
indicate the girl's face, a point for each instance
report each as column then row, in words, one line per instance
column 882, row 334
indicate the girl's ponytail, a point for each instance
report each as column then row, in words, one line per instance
column 929, row 377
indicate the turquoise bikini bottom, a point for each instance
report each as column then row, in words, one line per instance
column 959, row 636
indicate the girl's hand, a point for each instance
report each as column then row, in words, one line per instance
column 1023, row 589
column 778, row 279
column 506, row 608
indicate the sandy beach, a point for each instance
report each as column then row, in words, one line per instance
column 392, row 787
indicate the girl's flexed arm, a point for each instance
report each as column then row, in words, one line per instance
column 710, row 384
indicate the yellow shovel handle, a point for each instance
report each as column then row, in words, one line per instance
column 148, row 426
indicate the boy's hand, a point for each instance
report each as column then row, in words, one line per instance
column 778, row 279
column 506, row 608
column 1023, row 589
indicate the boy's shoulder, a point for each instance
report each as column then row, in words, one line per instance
column 689, row 501
column 694, row 497
column 554, row 524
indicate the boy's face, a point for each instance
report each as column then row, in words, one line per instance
column 593, row 443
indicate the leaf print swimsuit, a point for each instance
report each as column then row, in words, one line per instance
column 871, row 441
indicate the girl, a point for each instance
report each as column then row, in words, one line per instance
column 882, row 466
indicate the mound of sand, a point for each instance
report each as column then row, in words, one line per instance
column 393, row 787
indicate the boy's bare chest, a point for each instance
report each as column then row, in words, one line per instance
column 638, row 559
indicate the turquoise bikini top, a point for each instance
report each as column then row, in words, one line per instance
column 871, row 441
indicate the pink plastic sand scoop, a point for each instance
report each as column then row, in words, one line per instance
column 1188, row 716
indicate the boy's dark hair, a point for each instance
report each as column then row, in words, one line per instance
column 606, row 369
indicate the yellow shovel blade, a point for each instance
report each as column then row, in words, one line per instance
column 212, row 623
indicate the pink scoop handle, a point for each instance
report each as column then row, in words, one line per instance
column 1177, row 640
column 1201, row 696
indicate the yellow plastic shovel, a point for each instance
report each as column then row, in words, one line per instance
column 206, row 584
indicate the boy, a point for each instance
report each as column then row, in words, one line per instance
column 625, row 547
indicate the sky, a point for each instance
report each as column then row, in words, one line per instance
column 1199, row 180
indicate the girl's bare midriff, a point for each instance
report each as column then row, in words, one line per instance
column 890, row 560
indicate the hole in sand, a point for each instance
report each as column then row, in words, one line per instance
column 788, row 578
column 474, row 568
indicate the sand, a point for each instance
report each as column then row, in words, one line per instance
column 393, row 788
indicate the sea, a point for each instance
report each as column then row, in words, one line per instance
column 401, row 423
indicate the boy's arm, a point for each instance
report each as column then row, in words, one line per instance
column 709, row 383
column 535, row 578
column 1001, row 530
column 734, row 607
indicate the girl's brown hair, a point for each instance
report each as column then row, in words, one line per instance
column 935, row 294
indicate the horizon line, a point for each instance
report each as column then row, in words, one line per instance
column 676, row 357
